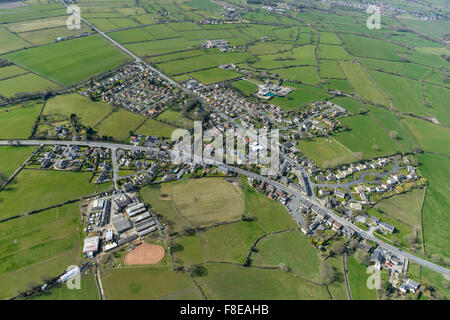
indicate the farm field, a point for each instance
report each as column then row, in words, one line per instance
column 29, row 252
column 88, row 291
column 40, row 37
column 11, row 71
column 69, row 62
column 88, row 112
column 338, row 288
column 156, row 196
column 44, row 189
column 405, row 207
column 434, row 213
column 367, row 137
column 438, row 98
column 300, row 96
column 429, row 136
column 227, row 281
column 362, row 85
column 405, row 93
column 246, row 87
column 28, row 82
column 155, row 128
column 214, row 75
column 119, row 124
column 19, row 120
column 357, row 278
column 12, row 157
column 10, row 41
column 284, row 248
column 152, row 283
column 327, row 152
column 206, row 201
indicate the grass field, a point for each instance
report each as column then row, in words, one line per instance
column 438, row 98
column 28, row 82
column 42, row 189
column 88, row 112
column 40, row 37
column 286, row 248
column 438, row 282
column 155, row 128
column 10, row 71
column 10, row 41
column 227, row 281
column 12, row 157
column 370, row 47
column 362, row 85
column 119, row 124
column 338, row 288
column 18, row 121
column 366, row 136
column 246, row 87
column 405, row 207
column 405, row 93
column 149, row 283
column 88, row 291
column 214, row 75
column 69, row 62
column 152, row 195
column 30, row 252
column 357, row 278
column 300, row 96
column 206, row 201
column 327, row 152
column 436, row 221
column 429, row 136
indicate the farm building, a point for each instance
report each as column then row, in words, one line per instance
column 91, row 246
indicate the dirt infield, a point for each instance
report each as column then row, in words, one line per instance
column 145, row 254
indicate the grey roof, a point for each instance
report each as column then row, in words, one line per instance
column 147, row 231
column 144, row 225
column 121, row 224
column 127, row 239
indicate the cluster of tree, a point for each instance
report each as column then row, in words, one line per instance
column 4, row 63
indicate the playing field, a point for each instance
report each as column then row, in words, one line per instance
column 155, row 128
column 119, row 124
column 145, row 253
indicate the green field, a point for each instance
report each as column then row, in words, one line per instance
column 206, row 201
column 149, row 283
column 155, row 128
column 362, row 85
column 436, row 221
column 69, row 62
column 357, row 278
column 429, row 136
column 18, row 121
column 119, row 124
column 30, row 252
column 12, row 157
column 10, row 41
column 227, row 281
column 10, row 71
column 327, row 152
column 284, row 248
column 405, row 93
column 88, row 112
column 214, row 75
column 28, row 83
column 405, row 207
column 42, row 189
column 88, row 291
